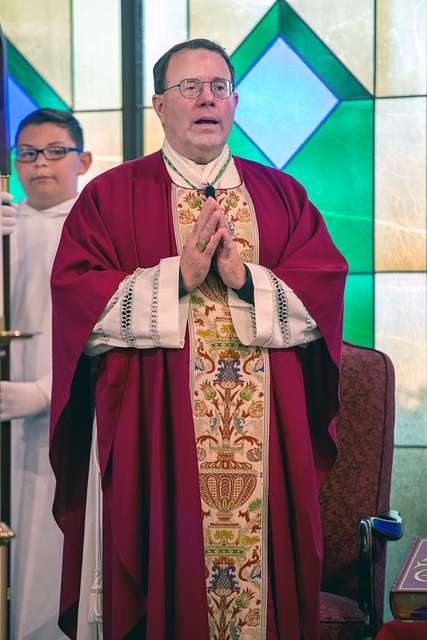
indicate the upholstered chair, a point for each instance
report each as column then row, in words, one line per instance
column 358, row 489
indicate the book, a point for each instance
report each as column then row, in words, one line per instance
column 408, row 594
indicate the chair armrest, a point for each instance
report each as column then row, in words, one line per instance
column 386, row 526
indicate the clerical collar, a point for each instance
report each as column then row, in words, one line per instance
column 220, row 172
column 209, row 187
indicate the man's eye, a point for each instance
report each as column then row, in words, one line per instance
column 26, row 154
column 191, row 84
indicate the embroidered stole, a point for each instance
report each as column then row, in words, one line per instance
column 229, row 384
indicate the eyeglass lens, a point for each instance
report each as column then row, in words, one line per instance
column 193, row 87
column 50, row 153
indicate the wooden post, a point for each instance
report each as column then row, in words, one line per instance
column 6, row 536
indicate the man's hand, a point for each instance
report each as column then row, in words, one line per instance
column 194, row 263
column 229, row 264
column 20, row 399
column 8, row 213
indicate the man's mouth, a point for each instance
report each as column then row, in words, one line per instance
column 41, row 178
column 206, row 121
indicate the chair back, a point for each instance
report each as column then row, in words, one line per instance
column 359, row 484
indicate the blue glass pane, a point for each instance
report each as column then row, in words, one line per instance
column 20, row 105
column 281, row 102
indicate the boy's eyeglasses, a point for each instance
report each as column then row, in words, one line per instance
column 50, row 153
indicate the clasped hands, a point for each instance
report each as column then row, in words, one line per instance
column 211, row 231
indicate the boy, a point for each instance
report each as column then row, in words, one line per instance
column 49, row 159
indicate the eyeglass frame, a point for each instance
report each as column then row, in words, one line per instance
column 202, row 82
column 42, row 151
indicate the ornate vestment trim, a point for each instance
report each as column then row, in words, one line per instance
column 126, row 309
column 281, row 305
column 229, row 385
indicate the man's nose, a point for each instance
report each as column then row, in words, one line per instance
column 206, row 97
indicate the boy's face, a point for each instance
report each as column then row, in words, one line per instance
column 49, row 182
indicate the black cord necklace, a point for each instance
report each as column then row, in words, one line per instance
column 209, row 189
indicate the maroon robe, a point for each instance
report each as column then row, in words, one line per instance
column 153, row 561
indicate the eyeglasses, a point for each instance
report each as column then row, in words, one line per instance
column 191, row 88
column 50, row 153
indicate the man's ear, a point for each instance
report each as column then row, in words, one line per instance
column 159, row 106
column 85, row 162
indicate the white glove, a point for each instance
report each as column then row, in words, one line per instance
column 21, row 399
column 8, row 213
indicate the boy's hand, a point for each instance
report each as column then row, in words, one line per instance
column 20, row 399
column 8, row 213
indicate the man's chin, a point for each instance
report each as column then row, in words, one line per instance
column 206, row 149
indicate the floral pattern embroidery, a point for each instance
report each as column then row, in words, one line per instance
column 229, row 387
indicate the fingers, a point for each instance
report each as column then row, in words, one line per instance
column 227, row 243
column 213, row 243
column 8, row 219
column 210, row 228
column 209, row 207
column 8, row 213
column 5, row 197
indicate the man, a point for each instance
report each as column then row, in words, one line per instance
column 207, row 292
column 49, row 159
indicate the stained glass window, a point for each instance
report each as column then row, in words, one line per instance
column 344, row 84
column 362, row 160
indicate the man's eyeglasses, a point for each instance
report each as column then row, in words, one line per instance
column 191, row 88
column 50, row 153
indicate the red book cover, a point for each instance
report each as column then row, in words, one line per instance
column 408, row 595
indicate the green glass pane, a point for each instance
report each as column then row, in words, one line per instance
column 336, row 168
column 241, row 145
column 318, row 57
column 257, row 41
column 15, row 187
column 359, row 310
column 33, row 83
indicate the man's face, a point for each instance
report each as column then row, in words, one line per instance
column 49, row 182
column 198, row 129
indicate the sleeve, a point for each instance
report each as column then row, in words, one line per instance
column 277, row 319
column 45, row 384
column 144, row 312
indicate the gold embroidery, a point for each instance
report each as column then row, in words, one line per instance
column 230, row 411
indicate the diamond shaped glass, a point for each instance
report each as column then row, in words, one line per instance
column 281, row 102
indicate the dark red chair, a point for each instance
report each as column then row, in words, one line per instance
column 358, row 488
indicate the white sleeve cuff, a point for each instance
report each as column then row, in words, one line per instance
column 278, row 319
column 144, row 312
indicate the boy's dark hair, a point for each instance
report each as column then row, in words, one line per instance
column 161, row 66
column 60, row 118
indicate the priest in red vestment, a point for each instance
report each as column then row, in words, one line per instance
column 197, row 320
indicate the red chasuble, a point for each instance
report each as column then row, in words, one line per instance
column 153, row 556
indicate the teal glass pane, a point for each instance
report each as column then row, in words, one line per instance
column 281, row 19
column 257, row 41
column 32, row 82
column 15, row 187
column 359, row 310
column 317, row 55
column 241, row 145
column 20, row 105
column 281, row 102
column 336, row 168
